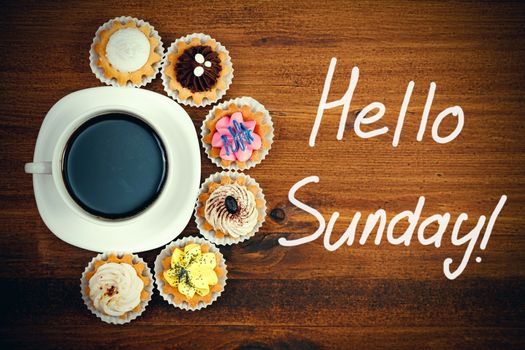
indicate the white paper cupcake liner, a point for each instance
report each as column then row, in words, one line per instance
column 256, row 107
column 168, row 251
column 84, row 284
column 228, row 240
column 93, row 56
column 166, row 79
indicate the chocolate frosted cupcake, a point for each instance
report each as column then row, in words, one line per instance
column 197, row 70
column 126, row 51
column 230, row 209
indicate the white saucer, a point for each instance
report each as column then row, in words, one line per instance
column 166, row 217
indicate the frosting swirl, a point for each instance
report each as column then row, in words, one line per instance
column 234, row 223
column 198, row 68
column 115, row 288
column 128, row 50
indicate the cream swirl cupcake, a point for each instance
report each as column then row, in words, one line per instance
column 116, row 287
column 230, row 209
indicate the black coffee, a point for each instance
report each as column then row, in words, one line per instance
column 114, row 165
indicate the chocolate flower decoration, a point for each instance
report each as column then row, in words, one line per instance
column 198, row 68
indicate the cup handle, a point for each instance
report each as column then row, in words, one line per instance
column 38, row 168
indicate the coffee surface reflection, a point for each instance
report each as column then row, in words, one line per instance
column 114, row 166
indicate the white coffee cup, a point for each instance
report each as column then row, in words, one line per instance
column 54, row 166
column 164, row 219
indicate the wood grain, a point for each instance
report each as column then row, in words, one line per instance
column 302, row 297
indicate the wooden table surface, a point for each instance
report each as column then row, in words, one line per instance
column 300, row 297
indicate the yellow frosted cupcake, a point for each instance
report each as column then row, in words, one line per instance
column 190, row 273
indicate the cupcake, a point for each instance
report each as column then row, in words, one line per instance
column 237, row 134
column 230, row 208
column 190, row 273
column 116, row 287
column 197, row 70
column 126, row 51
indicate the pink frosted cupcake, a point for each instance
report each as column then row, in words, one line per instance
column 237, row 134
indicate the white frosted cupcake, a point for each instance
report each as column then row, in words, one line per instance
column 126, row 51
column 237, row 134
column 190, row 273
column 116, row 287
column 197, row 70
column 230, row 208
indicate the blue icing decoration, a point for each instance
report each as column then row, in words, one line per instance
column 240, row 134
